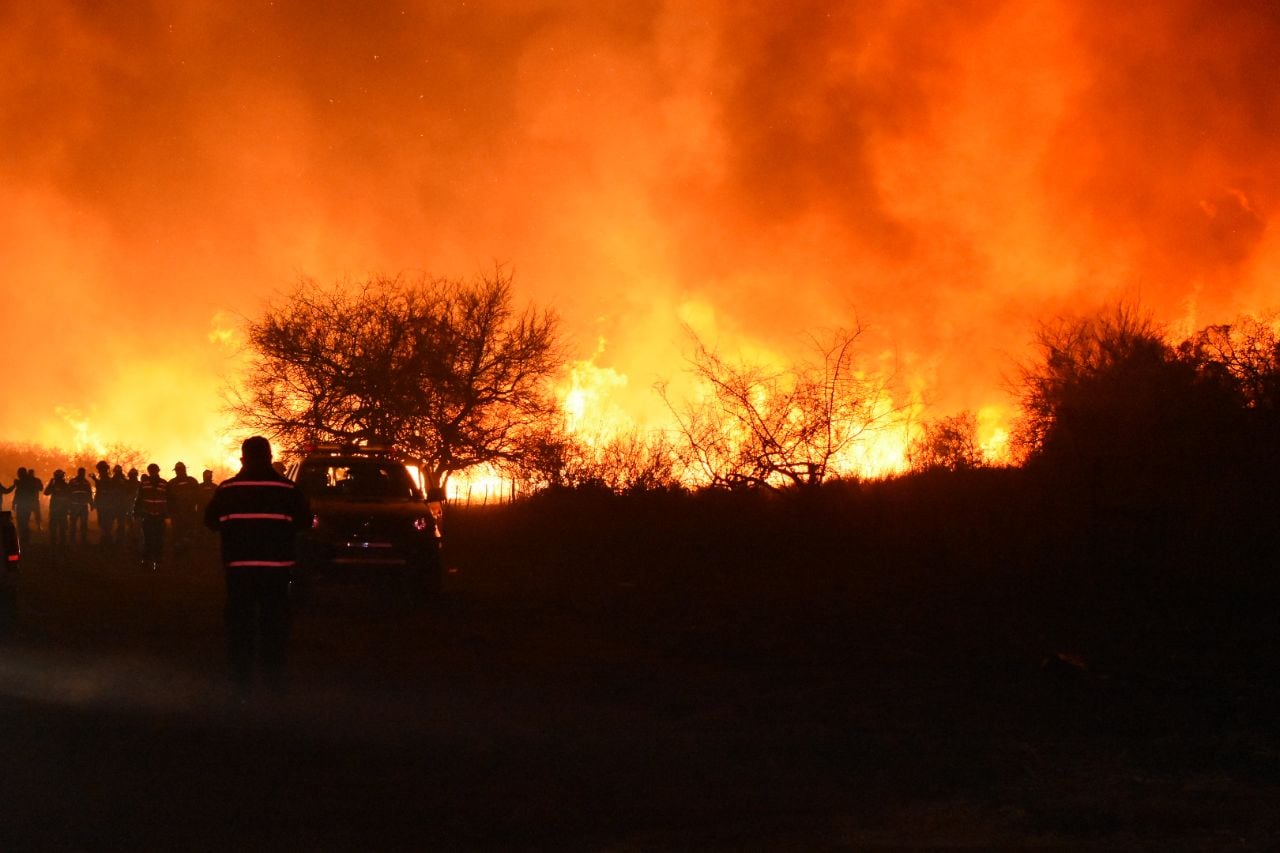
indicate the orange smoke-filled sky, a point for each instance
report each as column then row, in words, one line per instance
column 951, row 173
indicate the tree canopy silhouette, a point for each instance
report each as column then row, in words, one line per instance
column 1109, row 403
column 1242, row 357
column 446, row 369
column 1093, row 378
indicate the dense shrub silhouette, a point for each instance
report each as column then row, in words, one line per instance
column 1159, row 456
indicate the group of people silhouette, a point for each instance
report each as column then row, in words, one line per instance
column 127, row 504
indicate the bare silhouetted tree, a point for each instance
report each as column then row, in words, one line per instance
column 769, row 427
column 448, row 370
column 1243, row 356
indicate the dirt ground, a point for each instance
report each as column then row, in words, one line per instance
column 496, row 720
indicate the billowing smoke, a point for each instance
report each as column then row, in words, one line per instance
column 948, row 173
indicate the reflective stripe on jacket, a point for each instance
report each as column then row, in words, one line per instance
column 153, row 497
column 80, row 492
column 258, row 512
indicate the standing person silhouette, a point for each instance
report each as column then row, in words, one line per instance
column 183, row 498
column 38, row 485
column 204, row 493
column 59, row 494
column 26, row 502
column 257, row 514
column 105, row 501
column 152, row 508
column 79, row 502
column 121, row 494
column 129, row 487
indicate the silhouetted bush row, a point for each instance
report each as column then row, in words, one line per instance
column 1140, row 524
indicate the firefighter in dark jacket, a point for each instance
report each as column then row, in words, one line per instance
column 182, row 507
column 59, row 494
column 204, row 494
column 79, row 502
column 102, row 500
column 257, row 513
column 151, row 508
column 26, row 501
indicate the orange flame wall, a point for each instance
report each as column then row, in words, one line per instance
column 951, row 172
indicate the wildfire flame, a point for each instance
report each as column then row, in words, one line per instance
column 951, row 173
column 589, row 400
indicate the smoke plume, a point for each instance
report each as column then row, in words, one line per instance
column 948, row 174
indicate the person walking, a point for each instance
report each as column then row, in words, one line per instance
column 257, row 514
column 79, row 502
column 152, row 508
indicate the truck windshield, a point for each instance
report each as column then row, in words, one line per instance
column 356, row 478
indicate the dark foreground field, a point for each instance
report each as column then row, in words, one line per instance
column 516, row 715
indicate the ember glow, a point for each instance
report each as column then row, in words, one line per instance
column 948, row 173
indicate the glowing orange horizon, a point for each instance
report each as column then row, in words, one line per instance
column 948, row 176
